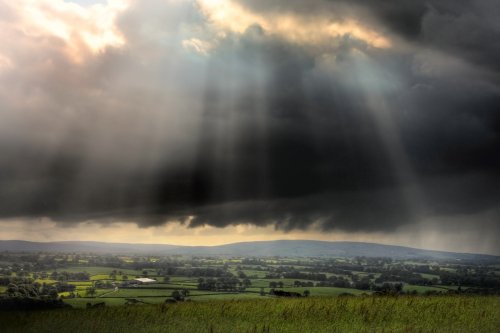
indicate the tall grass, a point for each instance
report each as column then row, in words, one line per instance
column 315, row 315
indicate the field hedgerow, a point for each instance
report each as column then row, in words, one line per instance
column 315, row 315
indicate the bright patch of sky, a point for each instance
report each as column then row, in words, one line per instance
column 87, row 2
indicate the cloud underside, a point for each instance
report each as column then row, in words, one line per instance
column 344, row 114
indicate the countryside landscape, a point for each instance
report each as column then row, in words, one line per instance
column 189, row 291
column 249, row 166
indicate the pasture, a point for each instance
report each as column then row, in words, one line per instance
column 163, row 290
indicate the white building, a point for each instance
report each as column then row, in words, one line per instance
column 144, row 280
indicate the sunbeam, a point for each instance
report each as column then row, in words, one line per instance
column 376, row 87
column 323, row 117
column 174, row 151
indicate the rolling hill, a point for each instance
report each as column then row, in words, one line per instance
column 281, row 248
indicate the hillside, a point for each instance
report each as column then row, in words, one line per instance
column 76, row 246
column 309, row 248
column 282, row 248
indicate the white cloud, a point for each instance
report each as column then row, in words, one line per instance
column 79, row 29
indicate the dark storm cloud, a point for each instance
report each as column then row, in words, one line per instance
column 257, row 128
column 404, row 18
column 468, row 29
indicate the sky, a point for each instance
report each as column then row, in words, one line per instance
column 204, row 122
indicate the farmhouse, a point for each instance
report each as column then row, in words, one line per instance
column 143, row 280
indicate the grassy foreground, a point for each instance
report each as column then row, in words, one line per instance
column 315, row 314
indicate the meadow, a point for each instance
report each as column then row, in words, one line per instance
column 266, row 315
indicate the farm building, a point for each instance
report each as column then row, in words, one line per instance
column 144, row 280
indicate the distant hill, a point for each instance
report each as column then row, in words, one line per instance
column 310, row 248
column 281, row 248
column 76, row 246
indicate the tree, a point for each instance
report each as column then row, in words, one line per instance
column 90, row 291
column 12, row 290
column 177, row 295
column 306, row 293
column 53, row 294
column 185, row 292
column 247, row 283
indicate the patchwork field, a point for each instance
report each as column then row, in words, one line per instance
column 99, row 270
column 237, row 294
column 312, row 276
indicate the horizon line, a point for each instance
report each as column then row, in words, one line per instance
column 256, row 241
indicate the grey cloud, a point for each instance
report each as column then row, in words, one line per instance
column 467, row 29
column 260, row 130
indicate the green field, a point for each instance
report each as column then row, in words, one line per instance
column 97, row 270
column 136, row 292
column 183, row 279
column 226, row 296
column 314, row 315
column 168, row 286
column 47, row 281
column 265, row 282
column 429, row 276
column 328, row 291
column 422, row 289
column 316, row 291
column 110, row 302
